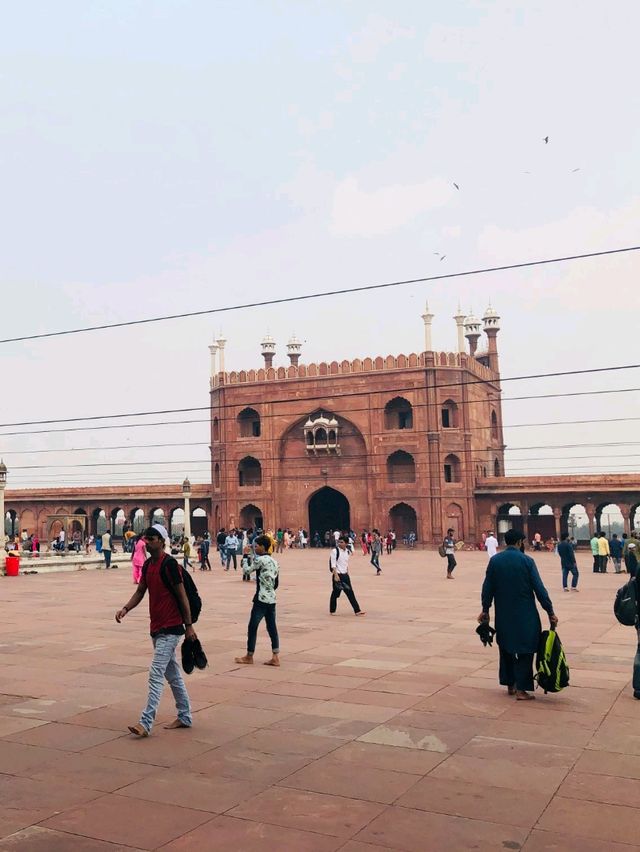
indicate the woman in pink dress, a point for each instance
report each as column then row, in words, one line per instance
column 138, row 559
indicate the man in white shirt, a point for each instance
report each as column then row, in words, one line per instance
column 341, row 582
column 231, row 544
column 491, row 545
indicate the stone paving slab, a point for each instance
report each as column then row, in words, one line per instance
column 387, row 732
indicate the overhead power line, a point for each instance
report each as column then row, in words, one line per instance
column 360, row 392
column 324, row 294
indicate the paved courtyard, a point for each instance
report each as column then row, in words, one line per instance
column 378, row 733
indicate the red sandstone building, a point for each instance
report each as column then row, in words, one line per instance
column 409, row 442
column 396, row 442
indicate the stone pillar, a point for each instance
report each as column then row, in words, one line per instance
column 213, row 350
column 557, row 514
column 427, row 318
column 186, row 491
column 591, row 514
column 460, row 318
column 625, row 511
column 222, row 342
column 436, row 492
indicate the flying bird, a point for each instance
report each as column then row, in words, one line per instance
column 576, row 170
column 456, row 186
column 442, row 258
column 546, row 140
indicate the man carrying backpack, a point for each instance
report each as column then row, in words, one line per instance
column 170, row 616
column 512, row 584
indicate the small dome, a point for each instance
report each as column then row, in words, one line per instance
column 471, row 321
column 293, row 341
column 491, row 313
column 3, row 467
column 333, row 422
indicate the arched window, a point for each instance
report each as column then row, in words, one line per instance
column 449, row 415
column 494, row 426
column 452, row 468
column 401, row 467
column 496, row 467
column 216, row 475
column 249, row 472
column 398, row 414
column 321, row 438
column 249, row 423
column 216, row 429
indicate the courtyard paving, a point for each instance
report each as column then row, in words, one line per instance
column 378, row 733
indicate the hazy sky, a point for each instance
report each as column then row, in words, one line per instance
column 166, row 156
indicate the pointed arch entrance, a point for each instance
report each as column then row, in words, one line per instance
column 328, row 510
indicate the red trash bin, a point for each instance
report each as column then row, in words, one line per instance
column 13, row 566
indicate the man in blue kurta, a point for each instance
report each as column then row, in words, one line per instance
column 512, row 584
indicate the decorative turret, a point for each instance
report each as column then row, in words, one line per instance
column 460, row 318
column 294, row 348
column 491, row 321
column 268, row 349
column 427, row 318
column 222, row 342
column 472, row 331
column 213, row 350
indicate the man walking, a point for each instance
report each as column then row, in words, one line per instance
column 512, row 584
column 491, row 544
column 603, row 552
column 170, row 617
column 106, row 548
column 568, row 562
column 341, row 582
column 595, row 552
column 231, row 544
column 615, row 549
column 376, row 550
column 220, row 540
column 449, row 544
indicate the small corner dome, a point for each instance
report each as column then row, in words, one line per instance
column 333, row 422
column 491, row 313
column 3, row 467
column 293, row 341
column 471, row 321
column 267, row 340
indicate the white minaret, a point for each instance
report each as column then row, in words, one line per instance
column 222, row 342
column 268, row 349
column 427, row 318
column 294, row 348
column 213, row 350
column 460, row 318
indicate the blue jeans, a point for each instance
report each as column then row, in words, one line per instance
column 107, row 558
column 636, row 667
column 222, row 550
column 574, row 576
column 164, row 665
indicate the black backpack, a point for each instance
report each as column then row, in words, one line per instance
column 552, row 669
column 190, row 588
column 625, row 606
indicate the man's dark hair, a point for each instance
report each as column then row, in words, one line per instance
column 512, row 537
column 564, row 536
column 151, row 532
column 263, row 541
column 342, row 538
column 615, row 535
column 450, row 529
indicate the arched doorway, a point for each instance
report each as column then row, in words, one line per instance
column 403, row 520
column 328, row 510
column 251, row 517
column 454, row 517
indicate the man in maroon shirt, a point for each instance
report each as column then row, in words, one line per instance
column 170, row 619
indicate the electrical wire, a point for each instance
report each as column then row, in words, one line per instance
column 324, row 294
column 343, row 394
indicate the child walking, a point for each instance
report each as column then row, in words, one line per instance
column 264, row 602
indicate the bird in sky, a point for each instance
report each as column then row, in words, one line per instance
column 576, row 170
column 546, row 140
column 456, row 185
column 442, row 257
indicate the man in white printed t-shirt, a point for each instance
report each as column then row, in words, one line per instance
column 341, row 582
column 491, row 545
